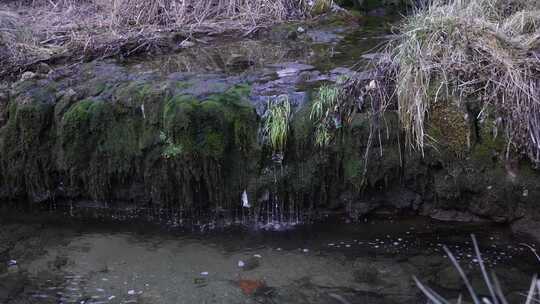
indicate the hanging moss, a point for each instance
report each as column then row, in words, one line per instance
column 25, row 145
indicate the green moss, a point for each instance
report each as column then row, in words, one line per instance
column 25, row 145
column 208, row 128
column 100, row 144
column 488, row 146
column 449, row 129
column 353, row 168
column 82, row 127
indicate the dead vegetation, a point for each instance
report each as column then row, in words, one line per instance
column 481, row 54
column 58, row 30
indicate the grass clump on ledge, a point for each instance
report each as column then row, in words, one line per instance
column 323, row 113
column 277, row 123
column 470, row 51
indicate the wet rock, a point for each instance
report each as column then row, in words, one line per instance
column 251, row 263
column 378, row 12
column 513, row 279
column 201, row 281
column 186, row 44
column 324, row 36
column 394, row 279
column 13, row 269
column 59, row 262
column 11, row 285
column 454, row 215
column 28, row 75
column 43, row 68
column 427, row 260
column 449, row 278
column 528, row 226
column 238, row 63
column 479, row 285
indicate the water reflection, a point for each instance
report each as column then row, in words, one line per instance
column 372, row 262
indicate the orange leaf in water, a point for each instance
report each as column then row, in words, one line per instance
column 250, row 286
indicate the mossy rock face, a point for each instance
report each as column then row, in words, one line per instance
column 211, row 127
column 157, row 142
column 80, row 138
column 25, row 144
column 449, row 128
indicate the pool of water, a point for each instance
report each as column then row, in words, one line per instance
column 329, row 262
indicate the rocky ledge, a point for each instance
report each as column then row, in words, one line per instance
column 104, row 137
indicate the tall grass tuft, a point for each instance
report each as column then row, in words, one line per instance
column 325, row 114
column 471, row 51
column 276, row 123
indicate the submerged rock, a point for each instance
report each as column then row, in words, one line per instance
column 250, row 263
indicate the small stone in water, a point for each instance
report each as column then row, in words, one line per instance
column 257, row 256
column 241, row 264
column 396, row 243
column 131, row 292
column 347, row 245
column 204, row 273
column 305, row 250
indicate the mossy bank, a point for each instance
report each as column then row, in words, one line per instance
column 100, row 136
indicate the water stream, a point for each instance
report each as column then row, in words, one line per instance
column 329, row 262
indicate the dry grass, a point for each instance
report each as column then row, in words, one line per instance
column 88, row 29
column 196, row 12
column 471, row 51
column 16, row 41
